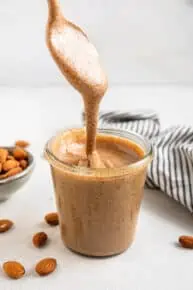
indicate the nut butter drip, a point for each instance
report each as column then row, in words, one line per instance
column 78, row 61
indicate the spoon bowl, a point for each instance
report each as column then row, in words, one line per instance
column 74, row 54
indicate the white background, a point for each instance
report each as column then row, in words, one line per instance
column 139, row 40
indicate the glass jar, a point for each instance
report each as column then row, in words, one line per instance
column 98, row 208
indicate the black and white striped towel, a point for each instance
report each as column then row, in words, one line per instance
column 172, row 167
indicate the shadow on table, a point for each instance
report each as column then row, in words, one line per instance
column 169, row 210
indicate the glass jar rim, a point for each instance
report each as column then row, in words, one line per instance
column 136, row 138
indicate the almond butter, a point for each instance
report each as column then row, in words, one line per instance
column 3, row 155
column 5, row 225
column 46, row 266
column 186, row 241
column 10, row 164
column 13, row 171
column 52, row 219
column 23, row 164
column 40, row 239
column 14, row 269
column 19, row 153
column 22, row 143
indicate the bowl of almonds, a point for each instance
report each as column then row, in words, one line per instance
column 16, row 166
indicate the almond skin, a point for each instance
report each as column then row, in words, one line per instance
column 10, row 157
column 3, row 155
column 10, row 164
column 19, row 153
column 52, row 219
column 46, row 266
column 22, row 143
column 3, row 176
column 5, row 225
column 186, row 242
column 13, row 171
column 13, row 269
column 23, row 163
column 39, row 240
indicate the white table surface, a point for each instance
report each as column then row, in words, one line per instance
column 154, row 261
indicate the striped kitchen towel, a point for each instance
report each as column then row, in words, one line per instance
column 172, row 167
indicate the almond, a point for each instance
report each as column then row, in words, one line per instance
column 5, row 225
column 46, row 266
column 13, row 171
column 22, row 143
column 52, row 219
column 186, row 242
column 10, row 164
column 3, row 155
column 3, row 176
column 23, row 164
column 19, row 153
column 13, row 269
column 10, row 157
column 40, row 239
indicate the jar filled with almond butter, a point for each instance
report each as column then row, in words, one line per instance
column 98, row 204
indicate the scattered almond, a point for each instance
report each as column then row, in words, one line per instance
column 3, row 155
column 52, row 219
column 13, row 269
column 186, row 242
column 13, row 171
column 23, row 163
column 22, row 143
column 19, row 153
column 10, row 164
column 46, row 266
column 40, row 239
column 5, row 225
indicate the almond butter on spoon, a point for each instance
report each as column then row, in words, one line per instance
column 79, row 62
